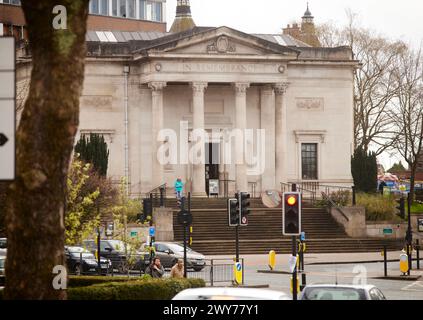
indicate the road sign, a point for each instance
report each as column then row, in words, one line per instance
column 7, row 108
column 238, row 272
column 420, row 225
column 152, row 231
column 292, row 263
column 134, row 234
column 388, row 231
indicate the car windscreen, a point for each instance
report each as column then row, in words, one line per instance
column 84, row 255
column 119, row 245
column 178, row 248
column 3, row 244
column 327, row 293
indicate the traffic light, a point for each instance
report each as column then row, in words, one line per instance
column 147, row 208
column 233, row 212
column 401, row 207
column 291, row 214
column 245, row 208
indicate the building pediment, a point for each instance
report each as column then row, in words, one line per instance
column 221, row 41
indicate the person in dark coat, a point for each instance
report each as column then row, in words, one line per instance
column 382, row 185
column 155, row 270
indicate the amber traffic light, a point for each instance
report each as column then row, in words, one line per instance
column 291, row 214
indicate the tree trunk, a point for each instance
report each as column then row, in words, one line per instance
column 45, row 138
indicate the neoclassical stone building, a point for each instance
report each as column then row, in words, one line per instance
column 219, row 79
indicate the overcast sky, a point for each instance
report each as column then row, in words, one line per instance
column 396, row 19
column 392, row 18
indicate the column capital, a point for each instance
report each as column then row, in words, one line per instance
column 199, row 87
column 280, row 88
column 241, row 87
column 157, row 86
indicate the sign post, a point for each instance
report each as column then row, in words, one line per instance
column 7, row 109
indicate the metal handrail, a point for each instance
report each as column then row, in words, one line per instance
column 158, row 192
column 332, row 204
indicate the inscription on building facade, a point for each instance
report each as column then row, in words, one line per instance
column 316, row 104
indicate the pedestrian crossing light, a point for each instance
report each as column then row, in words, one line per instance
column 291, row 214
column 233, row 212
column 245, row 208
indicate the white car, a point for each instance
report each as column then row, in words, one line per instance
column 341, row 292
column 230, row 294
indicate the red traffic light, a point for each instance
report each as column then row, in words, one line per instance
column 291, row 200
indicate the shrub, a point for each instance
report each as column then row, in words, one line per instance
column 341, row 198
column 378, row 208
column 85, row 281
column 152, row 289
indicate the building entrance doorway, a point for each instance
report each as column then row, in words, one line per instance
column 212, row 164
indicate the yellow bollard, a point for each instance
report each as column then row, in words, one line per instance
column 404, row 263
column 272, row 260
column 238, row 273
column 298, row 285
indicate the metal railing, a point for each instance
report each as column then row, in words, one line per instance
column 216, row 271
column 333, row 205
column 158, row 196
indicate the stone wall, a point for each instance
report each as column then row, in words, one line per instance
column 353, row 220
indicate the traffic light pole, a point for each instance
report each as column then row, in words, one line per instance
column 409, row 235
column 295, row 271
column 237, row 244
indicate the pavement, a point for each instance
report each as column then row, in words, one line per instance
column 344, row 268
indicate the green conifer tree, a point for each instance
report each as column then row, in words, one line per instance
column 94, row 150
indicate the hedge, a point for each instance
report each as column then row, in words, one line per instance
column 152, row 289
column 85, row 281
column 124, row 289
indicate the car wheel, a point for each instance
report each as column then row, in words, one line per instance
column 77, row 269
column 174, row 261
column 198, row 269
column 123, row 269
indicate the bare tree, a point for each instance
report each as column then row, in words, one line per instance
column 374, row 89
column 45, row 138
column 408, row 112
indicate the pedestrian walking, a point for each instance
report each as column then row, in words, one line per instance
column 155, row 270
column 177, row 270
column 179, row 188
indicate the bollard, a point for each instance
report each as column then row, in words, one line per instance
column 272, row 260
column 385, row 261
column 354, row 202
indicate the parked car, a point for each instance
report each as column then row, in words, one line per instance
column 3, row 246
column 170, row 252
column 82, row 261
column 2, row 270
column 122, row 260
column 341, row 292
column 230, row 294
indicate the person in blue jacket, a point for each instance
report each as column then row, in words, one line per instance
column 179, row 188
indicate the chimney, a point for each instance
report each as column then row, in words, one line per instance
column 183, row 20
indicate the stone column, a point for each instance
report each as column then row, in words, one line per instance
column 241, row 124
column 267, row 98
column 199, row 170
column 281, row 133
column 157, row 125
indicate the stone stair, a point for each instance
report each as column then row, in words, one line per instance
column 213, row 236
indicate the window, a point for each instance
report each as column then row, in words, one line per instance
column 115, row 8
column 122, row 7
column 94, row 7
column 142, row 9
column 151, row 10
column 104, row 7
column 309, row 161
column 131, row 8
column 15, row 2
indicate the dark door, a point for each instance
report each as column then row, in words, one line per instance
column 212, row 163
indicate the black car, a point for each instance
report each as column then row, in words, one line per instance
column 122, row 259
column 81, row 261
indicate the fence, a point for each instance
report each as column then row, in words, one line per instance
column 313, row 191
column 85, row 263
column 216, row 271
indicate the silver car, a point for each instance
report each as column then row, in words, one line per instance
column 170, row 252
column 230, row 294
column 341, row 292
